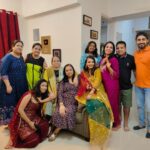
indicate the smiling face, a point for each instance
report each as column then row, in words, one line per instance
column 120, row 49
column 108, row 49
column 90, row 63
column 43, row 87
column 142, row 41
column 17, row 48
column 91, row 47
column 36, row 50
column 55, row 62
column 69, row 71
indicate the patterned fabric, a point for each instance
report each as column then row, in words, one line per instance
column 99, row 121
column 21, row 132
column 50, row 76
column 83, row 84
column 111, row 85
column 66, row 95
column 14, row 69
column 100, row 115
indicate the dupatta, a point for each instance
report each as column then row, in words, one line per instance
column 99, row 111
column 83, row 84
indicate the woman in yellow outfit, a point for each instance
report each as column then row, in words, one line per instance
column 91, row 93
column 53, row 75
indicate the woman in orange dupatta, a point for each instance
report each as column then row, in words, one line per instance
column 91, row 93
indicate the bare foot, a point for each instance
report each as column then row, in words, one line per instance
column 6, row 127
column 126, row 128
column 116, row 128
column 8, row 146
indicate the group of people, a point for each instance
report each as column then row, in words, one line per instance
column 35, row 98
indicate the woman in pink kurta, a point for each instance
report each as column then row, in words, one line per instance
column 110, row 75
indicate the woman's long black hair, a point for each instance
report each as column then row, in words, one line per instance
column 85, row 68
column 113, row 52
column 37, row 92
column 95, row 54
column 65, row 78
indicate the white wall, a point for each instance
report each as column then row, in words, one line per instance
column 64, row 27
column 125, row 29
column 141, row 23
column 34, row 7
column 104, row 34
column 109, row 8
column 126, row 7
column 94, row 9
column 11, row 5
column 128, row 30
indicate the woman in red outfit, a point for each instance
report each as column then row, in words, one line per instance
column 27, row 127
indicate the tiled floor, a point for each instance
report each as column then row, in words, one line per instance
column 119, row 140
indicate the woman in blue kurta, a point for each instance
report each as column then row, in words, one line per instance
column 91, row 49
column 13, row 81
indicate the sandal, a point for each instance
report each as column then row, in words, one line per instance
column 52, row 137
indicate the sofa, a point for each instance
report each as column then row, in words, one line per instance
column 82, row 127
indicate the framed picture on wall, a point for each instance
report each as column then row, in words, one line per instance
column 46, row 44
column 57, row 52
column 87, row 20
column 93, row 34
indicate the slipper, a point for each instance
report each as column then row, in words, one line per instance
column 138, row 127
column 52, row 137
column 147, row 135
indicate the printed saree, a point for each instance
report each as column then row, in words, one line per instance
column 100, row 116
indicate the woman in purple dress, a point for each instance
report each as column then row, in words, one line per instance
column 110, row 75
column 64, row 115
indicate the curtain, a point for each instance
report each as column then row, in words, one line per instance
column 9, row 30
